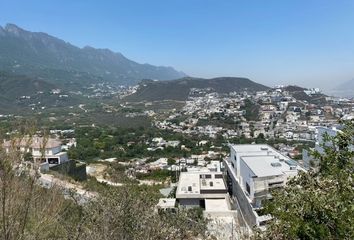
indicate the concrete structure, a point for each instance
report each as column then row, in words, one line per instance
column 43, row 150
column 166, row 203
column 195, row 187
column 205, row 189
column 253, row 170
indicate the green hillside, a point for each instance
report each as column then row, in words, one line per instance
column 14, row 86
column 179, row 89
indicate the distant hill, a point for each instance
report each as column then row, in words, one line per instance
column 179, row 89
column 299, row 94
column 294, row 88
column 14, row 86
column 38, row 54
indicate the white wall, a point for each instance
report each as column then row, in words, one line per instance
column 246, row 175
column 49, row 151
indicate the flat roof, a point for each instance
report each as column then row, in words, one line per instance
column 257, row 150
column 191, row 183
column 250, row 147
column 188, row 179
column 216, row 205
column 261, row 166
column 167, row 202
column 264, row 160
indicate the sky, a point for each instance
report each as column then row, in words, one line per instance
column 304, row 42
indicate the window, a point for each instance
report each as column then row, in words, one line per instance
column 274, row 183
column 53, row 160
column 218, row 175
column 248, row 189
column 204, row 176
column 202, row 203
column 232, row 164
column 213, row 191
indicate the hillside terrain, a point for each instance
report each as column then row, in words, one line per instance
column 38, row 54
column 14, row 86
column 299, row 94
column 179, row 89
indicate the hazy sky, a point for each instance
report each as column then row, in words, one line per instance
column 304, row 42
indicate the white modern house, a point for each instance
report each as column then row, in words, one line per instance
column 206, row 190
column 43, row 150
column 195, row 187
column 252, row 171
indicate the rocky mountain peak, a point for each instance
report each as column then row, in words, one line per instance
column 12, row 28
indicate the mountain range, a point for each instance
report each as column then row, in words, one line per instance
column 42, row 56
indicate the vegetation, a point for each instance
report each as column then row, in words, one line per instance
column 158, row 175
column 128, row 143
column 29, row 211
column 219, row 120
column 116, row 172
column 128, row 213
column 251, row 109
column 318, row 204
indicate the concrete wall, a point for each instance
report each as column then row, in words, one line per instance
column 243, row 205
column 235, row 159
column 246, row 177
column 44, row 167
column 189, row 202
column 78, row 172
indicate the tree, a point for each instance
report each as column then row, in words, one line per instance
column 318, row 204
column 171, row 161
column 30, row 211
column 27, row 210
column 128, row 213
